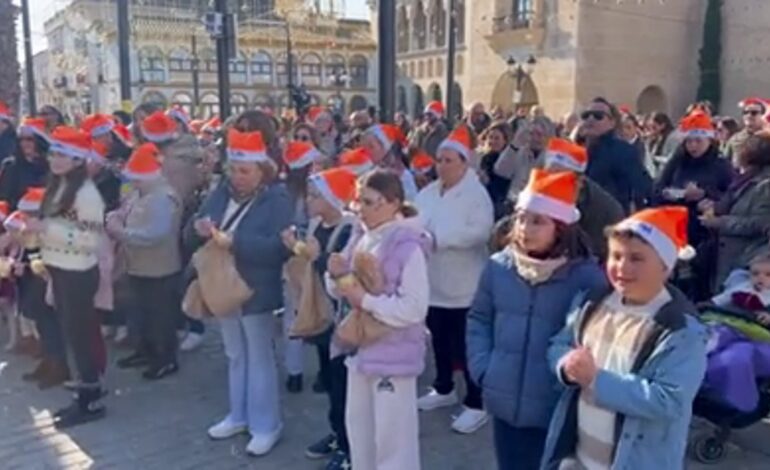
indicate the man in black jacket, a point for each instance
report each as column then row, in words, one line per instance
column 612, row 162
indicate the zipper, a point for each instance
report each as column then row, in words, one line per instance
column 530, row 310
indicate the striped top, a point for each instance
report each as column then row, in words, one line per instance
column 614, row 334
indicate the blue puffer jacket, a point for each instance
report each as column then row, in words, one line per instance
column 509, row 328
column 257, row 248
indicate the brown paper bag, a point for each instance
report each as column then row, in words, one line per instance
column 193, row 305
column 314, row 309
column 222, row 288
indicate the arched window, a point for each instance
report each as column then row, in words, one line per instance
column 282, row 69
column 208, row 61
column 460, row 21
column 419, row 101
column 262, row 68
column 358, row 103
column 264, row 102
column 152, row 65
column 312, row 69
column 179, row 60
column 209, row 106
column 402, row 29
column 335, row 67
column 155, row 98
column 184, row 100
column 402, row 105
column 418, row 27
column 438, row 25
column 237, row 69
column 359, row 71
column 238, row 103
column 337, row 103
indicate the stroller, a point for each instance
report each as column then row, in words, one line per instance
column 727, row 406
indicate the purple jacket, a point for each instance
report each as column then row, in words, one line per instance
column 402, row 352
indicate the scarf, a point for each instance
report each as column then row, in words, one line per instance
column 533, row 270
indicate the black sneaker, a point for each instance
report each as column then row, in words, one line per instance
column 294, row 384
column 159, row 372
column 323, row 448
column 340, row 461
column 318, row 385
column 84, row 409
column 135, row 360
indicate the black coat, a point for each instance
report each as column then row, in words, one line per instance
column 496, row 185
column 614, row 164
column 7, row 144
column 18, row 174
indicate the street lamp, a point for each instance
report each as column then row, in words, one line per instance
column 520, row 71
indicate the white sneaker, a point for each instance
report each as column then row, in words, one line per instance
column 121, row 334
column 434, row 400
column 107, row 331
column 470, row 421
column 191, row 342
column 261, row 444
column 226, row 429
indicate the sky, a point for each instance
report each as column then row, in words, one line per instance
column 41, row 10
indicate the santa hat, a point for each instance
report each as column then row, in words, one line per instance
column 435, row 108
column 5, row 112
column 337, row 186
column 316, row 112
column 99, row 152
column 551, row 194
column 460, row 141
column 123, row 133
column 97, row 125
column 387, row 134
column 300, row 154
column 17, row 220
column 178, row 112
column 357, row 160
column 143, row 164
column 421, row 163
column 753, row 101
column 5, row 209
column 32, row 200
column 697, row 124
column 33, row 126
column 157, row 127
column 665, row 229
column 566, row 155
column 246, row 147
column 70, row 142
column 212, row 126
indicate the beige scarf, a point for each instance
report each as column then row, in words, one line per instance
column 533, row 270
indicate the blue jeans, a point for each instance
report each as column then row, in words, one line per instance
column 518, row 448
column 252, row 371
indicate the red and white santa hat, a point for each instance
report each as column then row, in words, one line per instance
column 5, row 209
column 336, row 185
column 97, row 125
column 564, row 154
column 421, row 163
column 553, row 194
column 144, row 164
column 697, row 124
column 5, row 112
column 212, row 126
column 317, row 112
column 99, row 152
column 71, row 142
column 177, row 112
column 388, row 135
column 32, row 200
column 123, row 133
column 32, row 126
column 357, row 160
column 436, row 108
column 16, row 221
column 753, row 101
column 665, row 229
column 246, row 147
column 300, row 154
column 460, row 141
column 157, row 127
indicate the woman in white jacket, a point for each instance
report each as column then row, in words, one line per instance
column 457, row 211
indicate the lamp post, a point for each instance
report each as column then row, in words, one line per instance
column 520, row 71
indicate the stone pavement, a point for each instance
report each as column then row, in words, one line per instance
column 162, row 426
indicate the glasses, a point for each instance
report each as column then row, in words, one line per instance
column 595, row 115
column 752, row 112
column 303, row 138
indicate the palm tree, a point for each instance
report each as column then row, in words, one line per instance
column 9, row 61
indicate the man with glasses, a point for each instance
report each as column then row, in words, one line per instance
column 434, row 131
column 753, row 110
column 612, row 162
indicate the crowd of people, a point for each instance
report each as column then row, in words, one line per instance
column 561, row 267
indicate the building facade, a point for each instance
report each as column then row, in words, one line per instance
column 334, row 58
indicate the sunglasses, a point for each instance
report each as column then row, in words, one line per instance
column 752, row 112
column 303, row 138
column 595, row 115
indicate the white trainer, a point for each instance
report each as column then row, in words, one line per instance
column 191, row 342
column 434, row 400
column 261, row 444
column 121, row 334
column 226, row 429
column 470, row 421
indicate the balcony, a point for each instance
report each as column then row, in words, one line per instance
column 522, row 27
